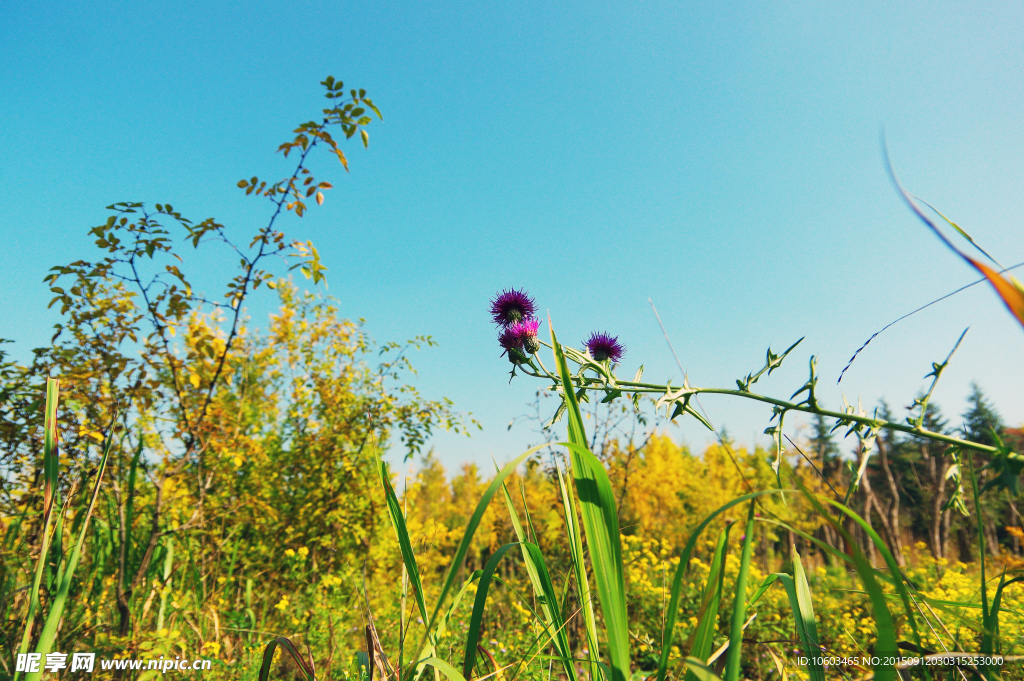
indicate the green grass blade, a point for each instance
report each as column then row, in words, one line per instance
column 684, row 562
column 703, row 636
column 51, row 465
column 765, row 585
column 53, row 617
column 549, row 601
column 739, row 608
column 994, row 614
column 601, row 525
column 442, row 626
column 895, row 576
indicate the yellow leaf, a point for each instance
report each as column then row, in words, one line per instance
column 1011, row 296
column 320, row 198
column 194, row 380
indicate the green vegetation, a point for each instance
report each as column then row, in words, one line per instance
column 178, row 484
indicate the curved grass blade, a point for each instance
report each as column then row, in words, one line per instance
column 739, row 608
column 442, row 626
column 1011, row 292
column 289, row 647
column 897, row 578
column 700, row 670
column 885, row 628
column 473, row 637
column 765, row 585
column 440, row 665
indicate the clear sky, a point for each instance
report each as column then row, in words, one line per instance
column 722, row 159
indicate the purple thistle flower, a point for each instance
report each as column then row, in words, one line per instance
column 513, row 345
column 525, row 331
column 509, row 339
column 511, row 306
column 603, row 346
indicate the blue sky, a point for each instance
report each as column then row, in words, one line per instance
column 722, row 159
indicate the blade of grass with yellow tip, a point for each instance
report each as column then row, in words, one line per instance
column 600, row 524
column 1010, row 290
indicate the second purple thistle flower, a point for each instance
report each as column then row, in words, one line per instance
column 603, row 346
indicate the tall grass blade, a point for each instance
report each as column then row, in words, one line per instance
column 895, row 576
column 806, row 628
column 601, row 525
column 51, row 465
column 806, row 613
column 739, row 607
column 49, row 632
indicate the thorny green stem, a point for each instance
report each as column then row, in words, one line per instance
column 603, row 383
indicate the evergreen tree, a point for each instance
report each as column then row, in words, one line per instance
column 981, row 418
column 823, row 446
